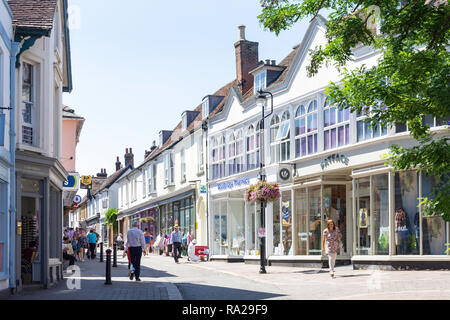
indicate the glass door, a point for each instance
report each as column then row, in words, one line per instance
column 363, row 211
column 335, row 208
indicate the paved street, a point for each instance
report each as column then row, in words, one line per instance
column 163, row 279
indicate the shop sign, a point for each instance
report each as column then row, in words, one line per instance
column 72, row 183
column 233, row 183
column 201, row 250
column 77, row 199
column 333, row 159
column 86, row 182
column 203, row 189
column 284, row 174
column 261, row 232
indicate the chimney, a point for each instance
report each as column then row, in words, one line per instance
column 153, row 147
column 102, row 174
column 129, row 158
column 118, row 164
column 246, row 60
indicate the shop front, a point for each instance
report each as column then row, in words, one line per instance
column 149, row 220
column 181, row 211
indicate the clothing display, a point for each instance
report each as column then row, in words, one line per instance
column 29, row 230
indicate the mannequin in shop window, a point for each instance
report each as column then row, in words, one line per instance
column 401, row 231
column 364, row 227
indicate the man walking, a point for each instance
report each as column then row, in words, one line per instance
column 176, row 243
column 135, row 243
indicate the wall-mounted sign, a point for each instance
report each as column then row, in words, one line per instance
column 333, row 159
column 86, row 182
column 72, row 183
column 233, row 183
column 284, row 174
column 203, row 189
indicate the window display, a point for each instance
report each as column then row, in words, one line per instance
column 363, row 221
column 277, row 246
column 301, row 218
column 380, row 212
column 335, row 208
column 286, row 223
column 315, row 213
column 237, row 226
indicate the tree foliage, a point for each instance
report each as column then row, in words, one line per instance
column 409, row 82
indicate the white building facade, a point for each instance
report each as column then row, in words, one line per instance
column 337, row 172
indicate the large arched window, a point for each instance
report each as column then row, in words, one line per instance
column 306, row 129
column 252, row 147
column 336, row 126
column 279, row 138
column 235, row 153
column 218, row 157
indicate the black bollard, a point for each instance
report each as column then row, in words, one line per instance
column 108, row 267
column 115, row 255
column 101, row 251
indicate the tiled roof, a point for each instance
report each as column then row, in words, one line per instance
column 106, row 183
column 35, row 14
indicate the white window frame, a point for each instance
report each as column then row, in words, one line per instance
column 340, row 122
column 366, row 130
column 200, row 155
column 32, row 114
column 205, row 109
column 235, row 153
column 184, row 121
column 260, row 81
column 218, row 157
column 304, row 112
column 168, row 169
column 183, row 165
column 144, row 183
column 253, row 152
column 280, row 142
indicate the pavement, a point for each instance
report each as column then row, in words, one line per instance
column 162, row 279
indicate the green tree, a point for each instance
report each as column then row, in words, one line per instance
column 409, row 82
column 111, row 218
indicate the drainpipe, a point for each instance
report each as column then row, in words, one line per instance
column 12, row 183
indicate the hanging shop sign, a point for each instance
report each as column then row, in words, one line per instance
column 334, row 158
column 203, row 189
column 234, row 183
column 77, row 199
column 284, row 174
column 72, row 183
column 86, row 182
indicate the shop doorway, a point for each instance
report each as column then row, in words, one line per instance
column 30, row 240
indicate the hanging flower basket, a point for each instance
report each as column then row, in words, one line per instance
column 262, row 191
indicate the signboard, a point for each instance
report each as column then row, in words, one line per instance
column 86, row 182
column 203, row 189
column 72, row 183
column 77, row 199
column 284, row 174
column 333, row 159
column 233, row 183
column 201, row 250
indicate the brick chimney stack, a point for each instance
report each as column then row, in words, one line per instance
column 129, row 158
column 246, row 60
column 102, row 174
column 118, row 164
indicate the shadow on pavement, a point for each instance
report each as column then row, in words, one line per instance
column 191, row 291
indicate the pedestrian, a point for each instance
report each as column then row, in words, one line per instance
column 147, row 241
column 68, row 253
column 82, row 244
column 74, row 243
column 92, row 241
column 169, row 243
column 176, row 243
column 330, row 243
column 135, row 243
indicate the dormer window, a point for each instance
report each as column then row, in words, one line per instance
column 205, row 109
column 260, row 81
column 183, row 121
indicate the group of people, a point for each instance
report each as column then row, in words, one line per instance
column 76, row 242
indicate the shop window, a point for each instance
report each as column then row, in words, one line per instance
column 221, row 246
column 306, row 130
column 29, row 107
column 252, row 147
column 336, row 126
column 285, row 247
column 363, row 212
column 301, row 218
column 406, row 208
column 315, row 214
column 252, row 226
column 434, row 228
column 237, row 226
column 380, row 217
column 277, row 250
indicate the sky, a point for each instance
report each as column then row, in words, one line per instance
column 138, row 64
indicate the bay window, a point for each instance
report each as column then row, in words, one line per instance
column 336, row 124
column 29, row 113
column 306, row 130
column 235, row 157
column 252, row 147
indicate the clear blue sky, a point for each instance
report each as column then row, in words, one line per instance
column 138, row 64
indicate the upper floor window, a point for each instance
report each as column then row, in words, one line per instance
column 144, row 183
column 235, row 153
column 306, row 129
column 336, row 126
column 184, row 121
column 205, row 109
column 280, row 138
column 260, row 81
column 218, row 158
column 152, row 178
column 252, row 147
column 29, row 114
column 168, row 169
column 363, row 129
column 200, row 154
column 183, row 165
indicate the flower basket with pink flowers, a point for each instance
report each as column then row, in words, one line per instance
column 262, row 191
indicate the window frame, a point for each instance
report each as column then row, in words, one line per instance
column 344, row 123
column 308, row 132
column 253, row 132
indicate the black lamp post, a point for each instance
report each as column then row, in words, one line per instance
column 260, row 101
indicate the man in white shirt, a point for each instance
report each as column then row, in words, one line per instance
column 135, row 243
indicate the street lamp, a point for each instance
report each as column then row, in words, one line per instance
column 261, row 102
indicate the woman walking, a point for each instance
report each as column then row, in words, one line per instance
column 147, row 242
column 330, row 243
column 82, row 244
